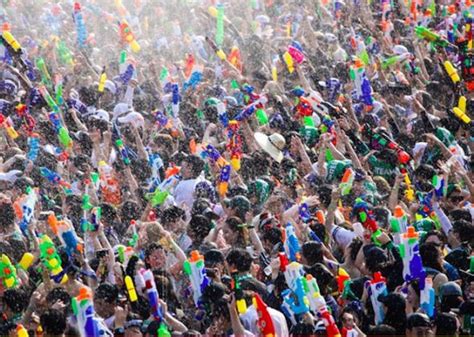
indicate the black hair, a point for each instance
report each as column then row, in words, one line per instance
column 213, row 257
column 445, row 324
column 197, row 164
column 431, row 256
column 53, row 322
column 273, row 235
column 302, row 329
column 59, row 294
column 240, row 258
column 15, row 299
column 382, row 330
column 149, row 250
column 200, row 227
column 355, row 246
column 464, row 229
column 7, row 215
column 312, row 252
column 129, row 211
column 108, row 292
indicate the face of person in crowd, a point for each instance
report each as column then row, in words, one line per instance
column 420, row 332
column 412, row 297
column 348, row 320
column 176, row 226
column 186, row 170
column 157, row 259
column 104, row 308
column 229, row 235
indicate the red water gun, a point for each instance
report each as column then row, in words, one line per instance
column 264, row 321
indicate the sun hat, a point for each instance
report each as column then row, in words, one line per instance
column 273, row 144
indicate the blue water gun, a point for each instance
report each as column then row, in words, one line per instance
column 366, row 92
column 80, row 25
column 127, row 75
column 427, row 298
column 33, row 147
column 83, row 309
column 296, row 298
column 410, row 253
column 292, row 245
column 54, row 178
column 28, row 209
column 303, row 211
column 193, row 81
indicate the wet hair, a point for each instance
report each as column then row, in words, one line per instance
column 196, row 163
column 355, row 246
column 108, row 292
column 7, row 215
column 312, row 252
column 53, row 322
column 59, row 294
column 15, row 299
column 200, row 226
column 149, row 250
column 236, row 225
column 129, row 211
column 273, row 235
column 240, row 258
column 431, row 256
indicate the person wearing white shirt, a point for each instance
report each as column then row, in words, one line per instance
column 250, row 317
column 191, row 168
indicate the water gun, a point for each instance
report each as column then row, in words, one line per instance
column 127, row 75
column 134, row 240
column 377, row 286
column 127, row 37
column 427, row 297
column 153, row 296
column 286, row 309
column 83, row 309
column 410, row 253
column 289, row 62
column 439, row 186
column 398, row 223
column 452, row 72
column 64, row 53
column 64, row 230
column 224, row 178
column 409, row 192
column 219, row 52
column 193, row 81
column 381, row 141
column 239, row 294
column 291, row 243
column 132, row 293
column 460, row 110
column 11, row 41
column 54, row 178
column 161, row 119
column 175, row 99
column 235, row 144
column 342, row 278
column 194, row 269
column 109, row 185
column 296, row 52
column 96, row 214
column 292, row 271
column 26, row 261
column 296, row 298
column 80, row 25
column 8, row 273
column 257, row 107
column 303, row 211
column 220, row 25
column 331, row 327
column 426, row 209
column 264, row 321
column 388, row 62
column 158, row 197
column 61, row 131
column 214, row 155
column 28, row 208
column 275, row 60
column 43, row 69
column 123, row 151
column 102, row 80
column 316, row 300
column 366, row 218
column 347, row 181
column 362, row 84
column 51, row 260
column 235, row 58
column 429, row 35
column 58, row 88
column 21, row 331
column 9, row 126
column 221, row 110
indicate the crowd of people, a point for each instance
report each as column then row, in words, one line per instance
column 236, row 168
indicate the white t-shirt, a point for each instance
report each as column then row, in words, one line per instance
column 184, row 192
column 249, row 321
column 342, row 236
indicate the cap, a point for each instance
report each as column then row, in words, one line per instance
column 418, row 320
column 450, row 289
column 238, row 201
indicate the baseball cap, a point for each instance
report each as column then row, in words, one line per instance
column 418, row 320
column 450, row 289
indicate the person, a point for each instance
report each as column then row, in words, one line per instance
column 277, row 168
